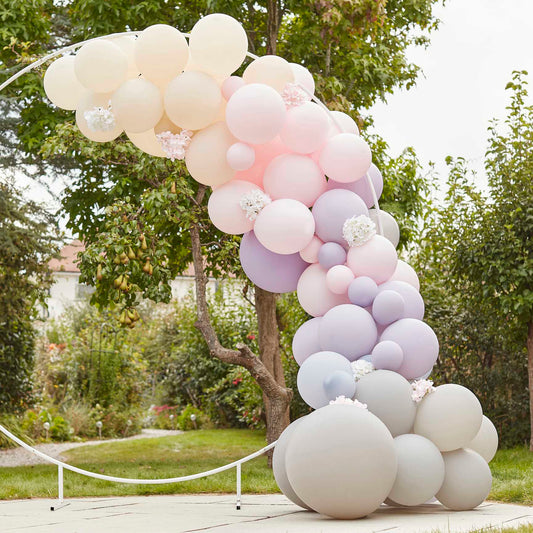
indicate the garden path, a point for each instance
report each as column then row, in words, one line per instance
column 20, row 457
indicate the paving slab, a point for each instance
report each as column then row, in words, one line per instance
column 259, row 513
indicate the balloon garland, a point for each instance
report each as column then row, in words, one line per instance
column 298, row 182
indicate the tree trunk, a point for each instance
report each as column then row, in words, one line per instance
column 530, row 376
column 273, row 24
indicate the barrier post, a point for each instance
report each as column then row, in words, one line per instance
column 238, row 486
column 60, row 497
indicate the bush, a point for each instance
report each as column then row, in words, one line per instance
column 185, row 422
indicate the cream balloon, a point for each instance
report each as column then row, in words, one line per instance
column 147, row 142
column 161, row 53
column 137, row 105
column 206, row 156
column 270, row 70
column 61, row 84
column 88, row 102
column 193, row 100
column 218, row 44
column 101, row 66
column 391, row 231
column 486, row 441
column 127, row 45
column 165, row 124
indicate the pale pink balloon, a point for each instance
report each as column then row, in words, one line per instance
column 376, row 259
column 405, row 272
column 285, row 226
column 346, row 123
column 303, row 77
column 306, row 128
column 240, row 156
column 339, row 278
column 310, row 252
column 255, row 113
column 345, row 157
column 264, row 154
column 294, row 176
column 313, row 293
column 224, row 207
column 230, row 85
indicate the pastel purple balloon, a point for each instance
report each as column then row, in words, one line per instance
column 414, row 304
column 268, row 270
column 349, row 330
column 306, row 341
column 339, row 383
column 332, row 209
column 387, row 355
column 361, row 187
column 388, row 306
column 362, row 291
column 331, row 254
column 419, row 344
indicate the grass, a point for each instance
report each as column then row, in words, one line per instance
column 189, row 453
column 512, row 472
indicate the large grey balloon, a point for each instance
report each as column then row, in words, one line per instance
column 486, row 441
column 388, row 396
column 278, row 464
column 341, row 461
column 450, row 417
column 467, row 480
column 420, row 470
column 314, row 370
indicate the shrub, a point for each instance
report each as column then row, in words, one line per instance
column 185, row 421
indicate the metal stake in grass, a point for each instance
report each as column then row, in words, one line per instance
column 99, row 426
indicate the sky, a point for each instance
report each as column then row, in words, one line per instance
column 465, row 69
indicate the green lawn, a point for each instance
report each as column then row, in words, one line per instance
column 196, row 451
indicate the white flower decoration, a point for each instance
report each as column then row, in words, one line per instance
column 358, row 230
column 252, row 202
column 293, row 95
column 361, row 368
column 421, row 388
column 174, row 144
column 100, row 119
column 342, row 400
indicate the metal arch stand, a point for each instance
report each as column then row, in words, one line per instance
column 60, row 499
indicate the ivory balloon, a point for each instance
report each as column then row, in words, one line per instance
column 88, row 102
column 127, row 44
column 193, row 100
column 376, row 258
column 206, row 156
column 218, row 44
column 161, row 53
column 61, row 85
column 405, row 272
column 270, row 70
column 101, row 66
column 389, row 225
column 303, row 77
column 147, row 142
column 165, row 124
column 137, row 105
column 450, row 417
column 486, row 441
column 305, row 129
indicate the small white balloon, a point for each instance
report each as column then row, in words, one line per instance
column 389, row 225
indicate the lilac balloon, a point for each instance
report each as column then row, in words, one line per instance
column 331, row 254
column 362, row 291
column 332, row 209
column 339, row 383
column 349, row 330
column 305, row 341
column 414, row 304
column 268, row 270
column 387, row 355
column 361, row 187
column 388, row 306
column 419, row 344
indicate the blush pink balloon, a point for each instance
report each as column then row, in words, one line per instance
column 346, row 123
column 338, row 279
column 285, row 226
column 310, row 252
column 306, row 128
column 240, row 156
column 345, row 158
column 405, row 272
column 313, row 293
column 376, row 259
column 264, row 154
column 303, row 77
column 255, row 113
column 230, row 85
column 294, row 176
column 224, row 209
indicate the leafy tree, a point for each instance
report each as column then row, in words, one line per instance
column 27, row 241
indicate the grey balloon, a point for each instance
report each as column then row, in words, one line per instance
column 486, row 441
column 420, row 470
column 279, row 468
column 341, row 461
column 467, row 480
column 388, row 396
column 314, row 370
column 339, row 383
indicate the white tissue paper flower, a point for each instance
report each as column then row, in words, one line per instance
column 358, row 230
column 252, row 202
column 293, row 95
column 421, row 388
column 174, row 144
column 361, row 368
column 342, row 400
column 100, row 119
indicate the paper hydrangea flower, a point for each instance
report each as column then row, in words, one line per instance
column 100, row 119
column 252, row 202
column 342, row 400
column 361, row 368
column 174, row 144
column 421, row 388
column 293, row 95
column 358, row 230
